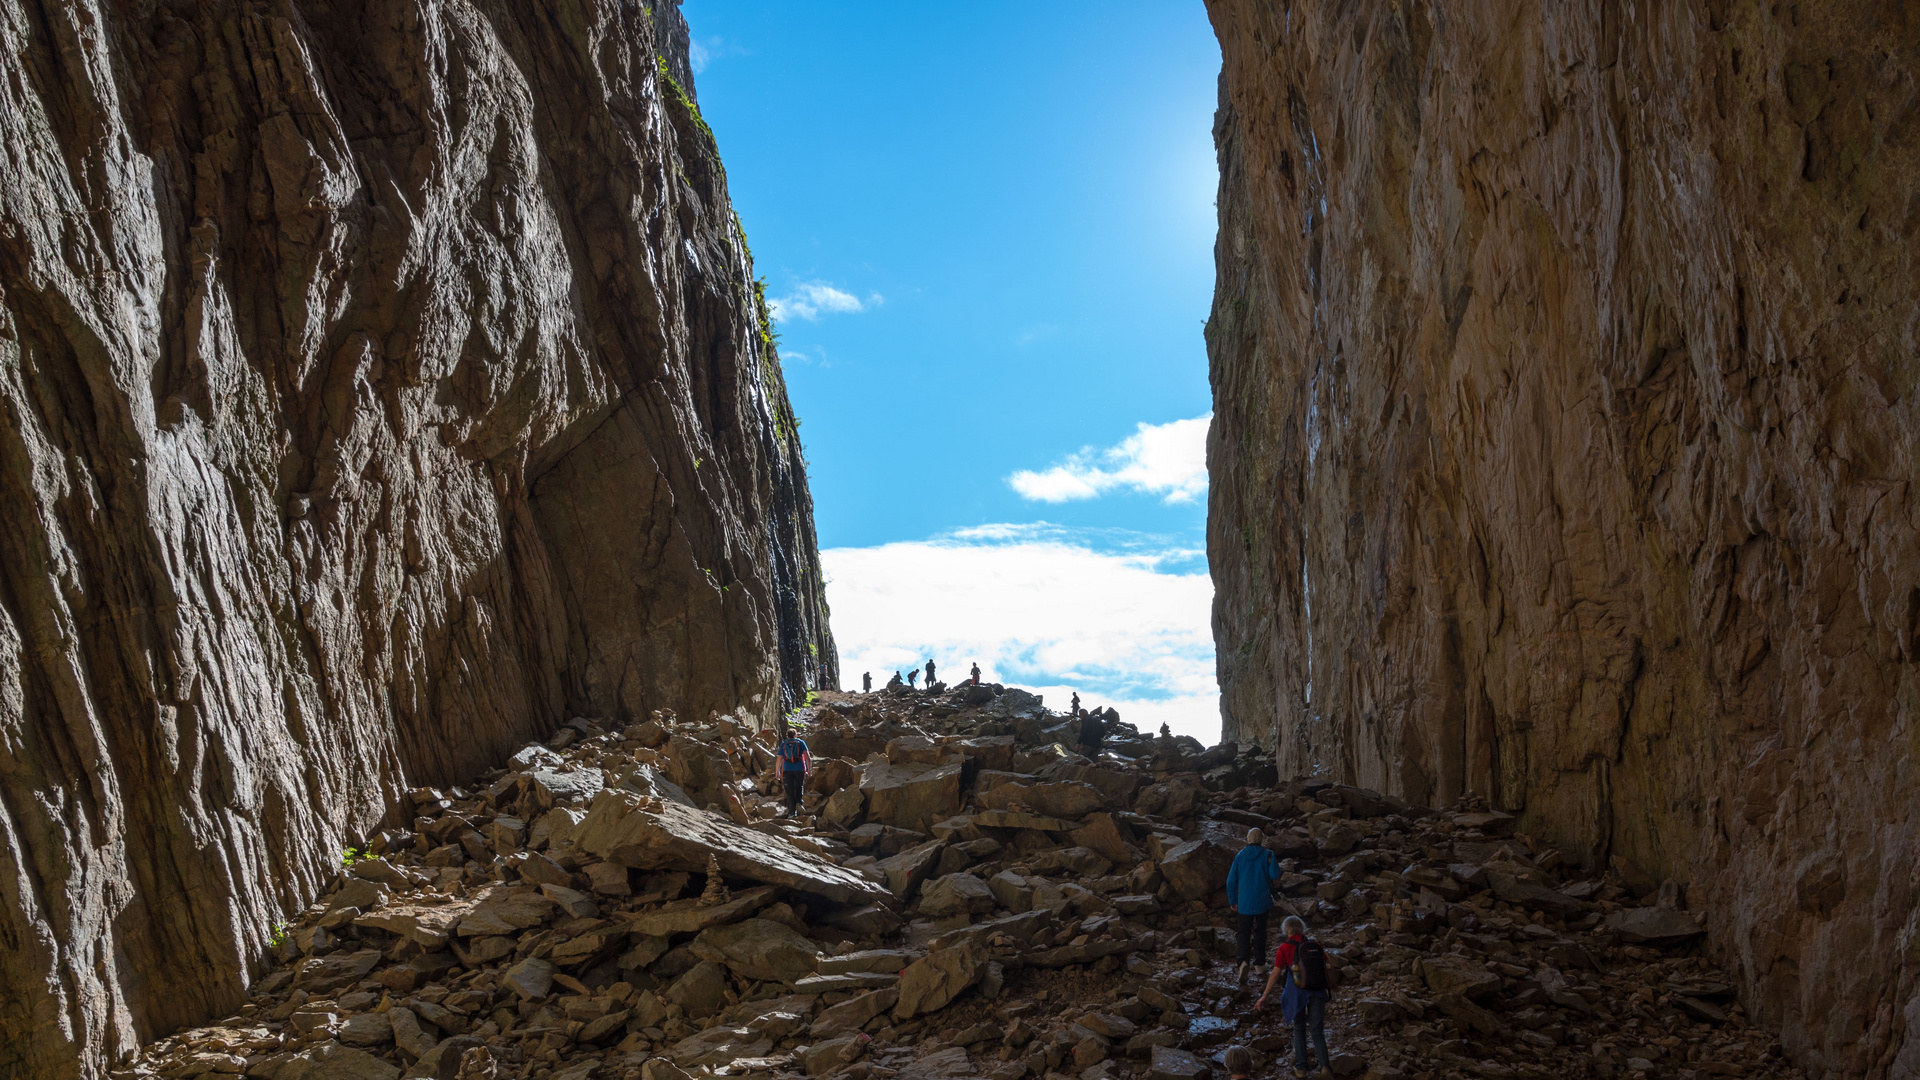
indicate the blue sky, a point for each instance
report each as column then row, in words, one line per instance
column 989, row 230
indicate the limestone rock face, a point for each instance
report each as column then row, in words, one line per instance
column 382, row 384
column 1564, row 437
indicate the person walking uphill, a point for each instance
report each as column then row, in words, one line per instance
column 1250, row 894
column 1303, row 1000
column 794, row 763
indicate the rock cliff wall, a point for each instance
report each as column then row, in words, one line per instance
column 1565, row 364
column 384, row 382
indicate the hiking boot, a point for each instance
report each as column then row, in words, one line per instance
column 1243, row 971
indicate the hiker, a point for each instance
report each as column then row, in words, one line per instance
column 866, row 682
column 976, row 674
column 912, row 674
column 1092, row 730
column 794, row 763
column 1239, row 1063
column 1303, row 1000
column 1250, row 895
column 1075, row 709
column 929, row 672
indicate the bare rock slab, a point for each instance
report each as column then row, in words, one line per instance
column 624, row 828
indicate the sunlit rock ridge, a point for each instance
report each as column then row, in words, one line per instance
column 384, row 384
column 1564, row 360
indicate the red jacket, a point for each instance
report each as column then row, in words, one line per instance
column 1283, row 956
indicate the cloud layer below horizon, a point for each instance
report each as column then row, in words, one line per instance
column 1122, row 619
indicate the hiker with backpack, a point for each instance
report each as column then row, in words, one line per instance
column 1250, row 895
column 1303, row 999
column 794, row 763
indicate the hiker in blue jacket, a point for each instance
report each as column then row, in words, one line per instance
column 794, row 762
column 1250, row 894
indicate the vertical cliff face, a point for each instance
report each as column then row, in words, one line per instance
column 384, row 382
column 1565, row 372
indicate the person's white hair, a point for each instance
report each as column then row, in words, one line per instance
column 1293, row 924
column 1255, row 836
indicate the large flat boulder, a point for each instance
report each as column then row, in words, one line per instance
column 911, row 796
column 662, row 835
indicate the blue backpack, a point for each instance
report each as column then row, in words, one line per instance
column 791, row 751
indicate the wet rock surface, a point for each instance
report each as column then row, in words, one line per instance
column 1562, row 450
column 384, row 385
column 1032, row 957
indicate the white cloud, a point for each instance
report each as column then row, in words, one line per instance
column 1169, row 460
column 812, row 299
column 1038, row 607
column 698, row 57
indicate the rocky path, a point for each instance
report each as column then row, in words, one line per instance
column 961, row 897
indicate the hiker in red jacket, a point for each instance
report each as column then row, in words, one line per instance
column 1303, row 998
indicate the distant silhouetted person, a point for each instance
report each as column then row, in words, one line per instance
column 1166, row 732
column 896, row 681
column 929, row 672
column 1075, row 710
column 976, row 674
column 866, row 683
column 912, row 674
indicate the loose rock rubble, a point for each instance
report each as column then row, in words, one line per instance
column 961, row 896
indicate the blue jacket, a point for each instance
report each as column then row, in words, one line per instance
column 1250, row 882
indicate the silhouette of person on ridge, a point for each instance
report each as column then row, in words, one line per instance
column 866, row 682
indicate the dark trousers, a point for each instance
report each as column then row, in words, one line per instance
column 1312, row 1016
column 1251, row 936
column 795, row 782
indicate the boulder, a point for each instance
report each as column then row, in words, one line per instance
column 531, row 979
column 323, row 975
column 845, row 806
column 1515, row 889
column 1654, row 925
column 702, row 991
column 1172, row 1063
column 885, row 961
column 956, row 894
column 1448, row 973
column 911, row 796
column 367, row 1029
column 430, row 925
column 852, row 1014
column 505, row 909
column 1468, row 1014
column 1020, row 819
column 701, row 768
column 908, row 869
column 1059, row 799
column 927, row 984
column 1197, row 868
column 332, row 1061
column 759, row 949
column 1102, row 833
column 442, row 1062
column 660, row 835
column 1011, row 890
